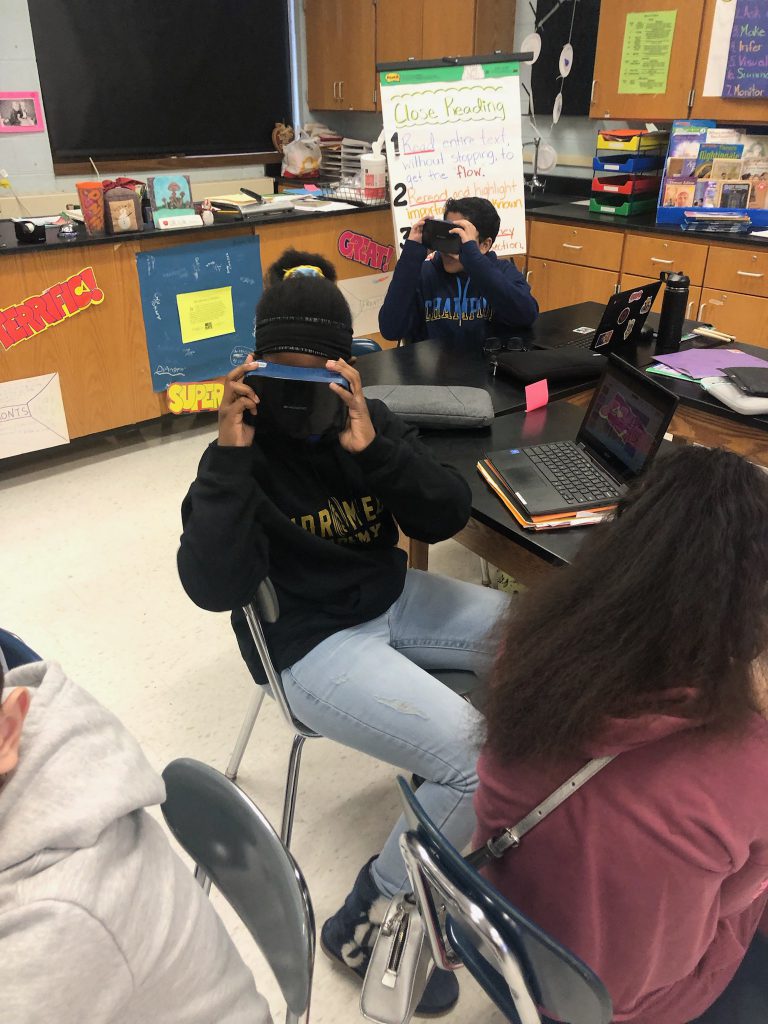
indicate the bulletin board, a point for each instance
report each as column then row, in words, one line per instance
column 453, row 130
column 198, row 303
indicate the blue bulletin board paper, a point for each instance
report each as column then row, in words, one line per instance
column 229, row 263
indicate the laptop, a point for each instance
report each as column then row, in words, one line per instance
column 621, row 323
column 619, row 435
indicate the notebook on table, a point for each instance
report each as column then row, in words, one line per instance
column 621, row 323
column 619, row 435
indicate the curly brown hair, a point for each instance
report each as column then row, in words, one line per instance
column 672, row 593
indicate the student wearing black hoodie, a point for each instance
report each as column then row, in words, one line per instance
column 357, row 634
column 469, row 297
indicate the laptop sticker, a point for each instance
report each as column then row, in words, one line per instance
column 583, row 330
column 623, row 314
column 628, row 330
column 636, row 295
column 603, row 339
column 646, row 305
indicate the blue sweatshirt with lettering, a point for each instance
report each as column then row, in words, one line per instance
column 489, row 297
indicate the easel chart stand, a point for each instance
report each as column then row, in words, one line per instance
column 453, row 129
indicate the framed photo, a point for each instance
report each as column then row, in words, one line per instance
column 21, row 112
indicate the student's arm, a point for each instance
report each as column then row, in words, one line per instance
column 61, row 964
column 402, row 312
column 224, row 552
column 429, row 500
column 503, row 285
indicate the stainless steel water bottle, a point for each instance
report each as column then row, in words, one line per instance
column 673, row 309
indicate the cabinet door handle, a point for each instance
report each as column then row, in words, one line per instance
column 341, row 92
column 701, row 311
column 567, row 245
column 334, row 90
column 688, row 310
column 592, row 93
column 658, row 259
column 747, row 273
column 528, row 276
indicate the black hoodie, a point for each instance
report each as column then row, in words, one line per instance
column 320, row 522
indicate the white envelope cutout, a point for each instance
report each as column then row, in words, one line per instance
column 31, row 415
column 365, row 296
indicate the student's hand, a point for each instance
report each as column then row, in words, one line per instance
column 359, row 431
column 237, row 398
column 466, row 231
column 416, row 231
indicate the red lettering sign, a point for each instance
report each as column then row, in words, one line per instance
column 362, row 249
column 56, row 304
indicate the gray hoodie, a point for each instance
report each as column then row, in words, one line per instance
column 99, row 919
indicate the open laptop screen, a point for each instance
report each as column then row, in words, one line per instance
column 626, row 419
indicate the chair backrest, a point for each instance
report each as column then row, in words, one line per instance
column 234, row 844
column 362, row 346
column 529, row 959
column 265, row 608
column 14, row 652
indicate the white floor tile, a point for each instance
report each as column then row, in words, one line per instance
column 89, row 544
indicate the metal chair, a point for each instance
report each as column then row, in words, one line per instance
column 14, row 652
column 469, row 923
column 362, row 346
column 265, row 608
column 236, row 848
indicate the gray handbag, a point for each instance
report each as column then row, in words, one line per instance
column 401, row 962
column 439, row 406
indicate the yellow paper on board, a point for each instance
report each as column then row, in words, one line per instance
column 206, row 314
column 646, row 52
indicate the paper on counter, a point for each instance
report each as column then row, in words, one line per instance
column 708, row 362
column 31, row 415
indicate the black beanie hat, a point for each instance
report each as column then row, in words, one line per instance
column 304, row 314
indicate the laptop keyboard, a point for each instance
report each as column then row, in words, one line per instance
column 571, row 473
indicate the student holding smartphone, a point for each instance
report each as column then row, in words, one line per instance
column 358, row 633
column 464, row 290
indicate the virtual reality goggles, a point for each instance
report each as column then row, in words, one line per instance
column 436, row 234
column 296, row 401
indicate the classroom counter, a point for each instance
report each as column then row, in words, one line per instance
column 100, row 354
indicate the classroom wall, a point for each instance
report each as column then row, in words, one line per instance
column 27, row 157
column 573, row 137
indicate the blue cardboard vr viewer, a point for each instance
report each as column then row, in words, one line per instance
column 296, row 401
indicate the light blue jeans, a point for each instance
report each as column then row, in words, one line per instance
column 369, row 688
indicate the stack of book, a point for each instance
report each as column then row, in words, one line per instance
column 503, row 490
column 628, row 166
column 710, row 171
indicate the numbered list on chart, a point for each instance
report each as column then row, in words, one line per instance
column 455, row 132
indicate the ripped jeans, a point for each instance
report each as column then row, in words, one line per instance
column 369, row 688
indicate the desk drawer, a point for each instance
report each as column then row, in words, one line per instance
column 588, row 247
column 738, row 270
column 648, row 255
column 744, row 316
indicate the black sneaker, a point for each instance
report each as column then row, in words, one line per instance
column 349, row 936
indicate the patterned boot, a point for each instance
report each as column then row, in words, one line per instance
column 349, row 937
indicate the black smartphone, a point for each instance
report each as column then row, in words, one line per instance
column 436, row 234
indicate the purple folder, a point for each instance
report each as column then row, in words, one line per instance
column 709, row 362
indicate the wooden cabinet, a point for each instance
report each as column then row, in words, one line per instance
column 341, row 54
column 694, row 294
column 556, row 284
column 738, row 270
column 346, row 39
column 607, row 101
column 648, row 255
column 749, row 111
column 745, row 316
column 590, row 247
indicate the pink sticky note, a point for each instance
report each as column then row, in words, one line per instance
column 309, row 187
column 536, row 395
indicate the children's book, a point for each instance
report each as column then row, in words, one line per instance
column 734, row 195
column 170, row 195
column 707, row 193
column 680, row 167
column 709, row 153
column 679, row 193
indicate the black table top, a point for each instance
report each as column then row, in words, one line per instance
column 456, row 363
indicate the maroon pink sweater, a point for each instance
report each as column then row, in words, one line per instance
column 656, row 872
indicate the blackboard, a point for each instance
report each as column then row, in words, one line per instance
column 554, row 17
column 139, row 78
